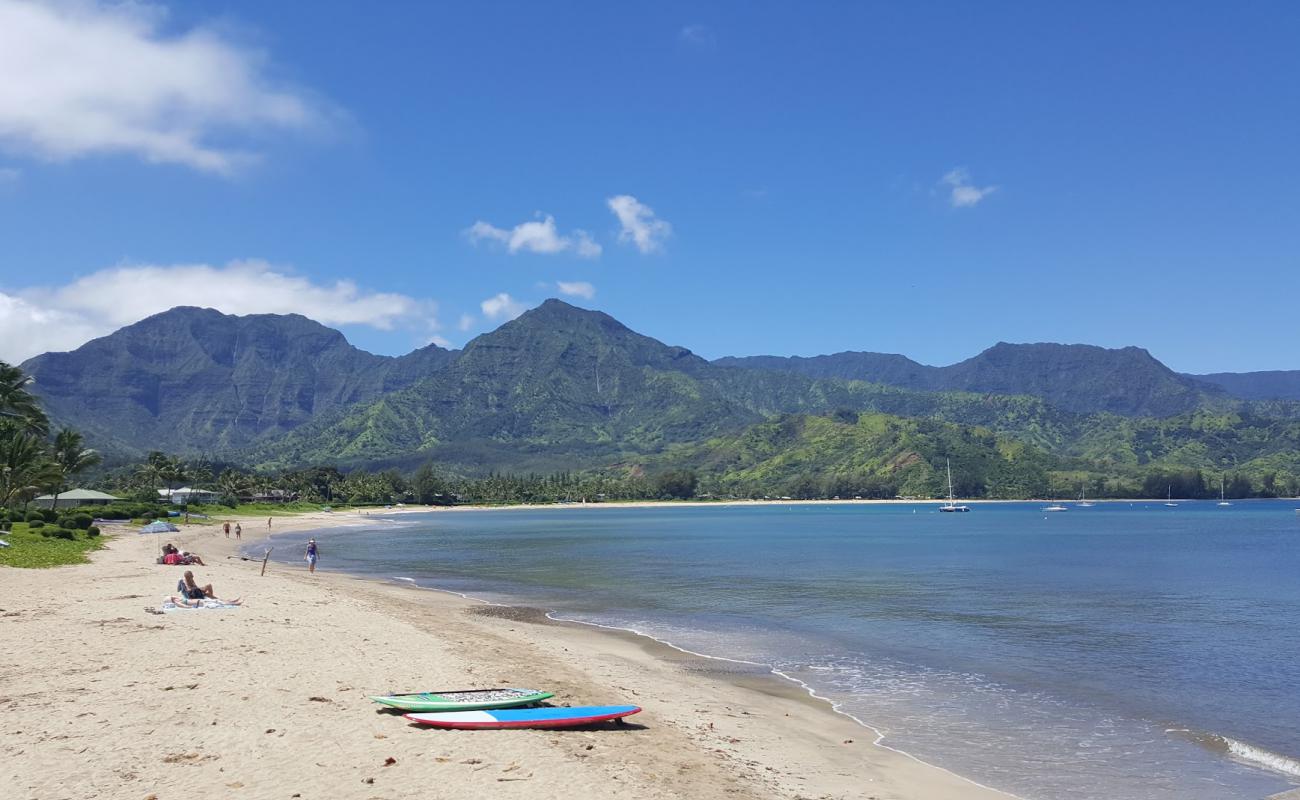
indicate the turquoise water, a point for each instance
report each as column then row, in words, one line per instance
column 1119, row 651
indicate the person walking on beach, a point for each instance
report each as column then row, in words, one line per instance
column 239, row 530
column 226, row 528
column 311, row 555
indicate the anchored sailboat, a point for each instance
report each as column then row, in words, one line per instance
column 1169, row 498
column 1222, row 500
column 951, row 506
column 1083, row 497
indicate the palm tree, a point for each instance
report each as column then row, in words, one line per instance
column 232, row 485
column 71, row 457
column 25, row 467
column 17, row 402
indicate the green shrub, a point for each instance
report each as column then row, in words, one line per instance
column 50, row 515
column 92, row 531
column 35, row 524
column 81, row 521
column 35, row 516
column 6, row 525
column 64, row 533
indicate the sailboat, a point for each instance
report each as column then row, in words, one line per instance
column 1083, row 497
column 1056, row 507
column 1222, row 500
column 1169, row 501
column 951, row 506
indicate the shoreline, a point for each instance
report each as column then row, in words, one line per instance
column 766, row 678
column 270, row 699
column 697, row 504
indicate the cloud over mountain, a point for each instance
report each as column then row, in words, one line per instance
column 89, row 78
column 37, row 319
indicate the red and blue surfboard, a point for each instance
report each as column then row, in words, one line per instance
column 524, row 717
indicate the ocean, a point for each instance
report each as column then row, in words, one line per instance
column 1127, row 650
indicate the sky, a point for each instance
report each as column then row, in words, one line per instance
column 737, row 178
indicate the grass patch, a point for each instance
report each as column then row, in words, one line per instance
column 31, row 550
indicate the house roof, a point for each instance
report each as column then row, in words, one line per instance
column 184, row 490
column 79, row 494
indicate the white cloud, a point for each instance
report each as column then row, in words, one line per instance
column 576, row 289
column 639, row 224
column 85, row 77
column 962, row 194
column 700, row 36
column 535, row 236
column 40, row 318
column 502, row 306
column 465, row 322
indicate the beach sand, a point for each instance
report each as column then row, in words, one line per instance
column 99, row 698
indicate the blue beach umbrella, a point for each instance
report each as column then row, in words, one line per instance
column 159, row 526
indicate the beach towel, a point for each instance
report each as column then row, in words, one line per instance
column 168, row 605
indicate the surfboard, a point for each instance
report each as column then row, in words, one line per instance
column 463, row 699
column 525, row 717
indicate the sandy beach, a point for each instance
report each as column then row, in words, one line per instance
column 101, row 698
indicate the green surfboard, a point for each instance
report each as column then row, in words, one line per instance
column 463, row 700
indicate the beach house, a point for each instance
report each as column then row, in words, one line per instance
column 76, row 497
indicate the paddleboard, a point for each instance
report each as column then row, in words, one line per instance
column 525, row 717
column 463, row 700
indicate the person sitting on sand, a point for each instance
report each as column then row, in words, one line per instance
column 191, row 558
column 191, row 590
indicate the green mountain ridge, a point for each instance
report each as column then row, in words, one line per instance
column 565, row 388
column 193, row 379
column 1079, row 378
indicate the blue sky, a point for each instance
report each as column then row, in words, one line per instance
column 923, row 178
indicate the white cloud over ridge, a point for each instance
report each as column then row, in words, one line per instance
column 638, row 223
column 34, row 320
column 87, row 78
column 576, row 289
column 502, row 307
column 535, row 236
column 962, row 193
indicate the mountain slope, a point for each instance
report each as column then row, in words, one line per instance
column 193, row 379
column 887, row 368
column 558, row 377
column 868, row 455
column 1078, row 378
column 1267, row 385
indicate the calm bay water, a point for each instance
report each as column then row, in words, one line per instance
column 1120, row 651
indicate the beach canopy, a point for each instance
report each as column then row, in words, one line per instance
column 159, row 527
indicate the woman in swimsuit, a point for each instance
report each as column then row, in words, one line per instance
column 311, row 555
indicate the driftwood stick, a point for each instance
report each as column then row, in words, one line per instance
column 265, row 557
